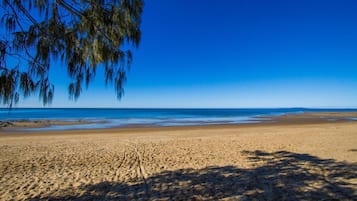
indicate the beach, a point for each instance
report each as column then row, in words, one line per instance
column 294, row 157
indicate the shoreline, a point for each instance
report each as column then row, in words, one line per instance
column 24, row 127
column 40, row 123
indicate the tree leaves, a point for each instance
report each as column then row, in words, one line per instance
column 9, row 80
column 27, row 85
column 83, row 34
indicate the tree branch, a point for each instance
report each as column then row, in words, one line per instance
column 23, row 30
column 22, row 9
column 70, row 8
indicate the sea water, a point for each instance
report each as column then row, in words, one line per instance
column 112, row 117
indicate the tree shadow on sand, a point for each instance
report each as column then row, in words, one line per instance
column 282, row 176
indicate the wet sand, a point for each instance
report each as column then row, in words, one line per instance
column 298, row 157
column 25, row 124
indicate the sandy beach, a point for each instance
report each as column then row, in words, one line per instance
column 299, row 157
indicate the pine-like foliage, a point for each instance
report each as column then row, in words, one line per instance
column 83, row 34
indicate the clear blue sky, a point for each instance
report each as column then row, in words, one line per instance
column 235, row 53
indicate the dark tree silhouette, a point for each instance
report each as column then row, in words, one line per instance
column 83, row 34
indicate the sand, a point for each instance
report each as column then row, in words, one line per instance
column 305, row 160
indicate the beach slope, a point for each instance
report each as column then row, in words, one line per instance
column 286, row 161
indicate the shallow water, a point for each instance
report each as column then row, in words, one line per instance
column 108, row 118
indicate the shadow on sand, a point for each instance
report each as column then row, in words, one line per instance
column 282, row 176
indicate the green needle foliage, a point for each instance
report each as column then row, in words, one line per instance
column 83, row 34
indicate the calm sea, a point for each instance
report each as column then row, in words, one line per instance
column 104, row 118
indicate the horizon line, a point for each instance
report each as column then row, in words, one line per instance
column 332, row 107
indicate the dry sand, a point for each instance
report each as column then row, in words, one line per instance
column 305, row 160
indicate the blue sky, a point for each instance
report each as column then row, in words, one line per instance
column 234, row 54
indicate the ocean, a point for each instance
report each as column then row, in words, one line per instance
column 107, row 118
